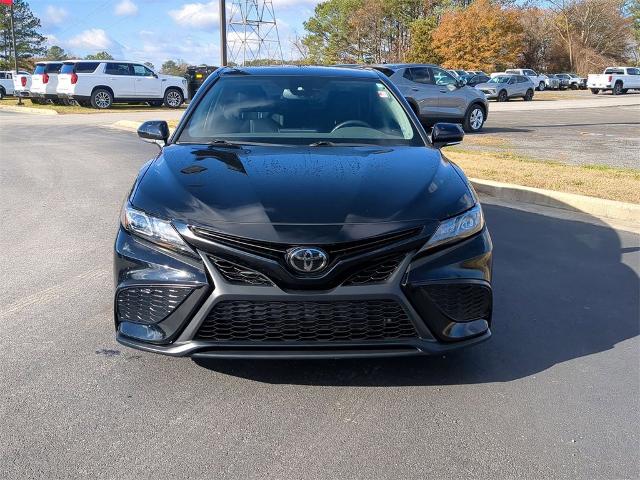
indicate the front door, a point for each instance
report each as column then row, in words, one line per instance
column 452, row 101
column 147, row 84
column 121, row 80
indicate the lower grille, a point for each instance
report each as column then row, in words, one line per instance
column 461, row 302
column 238, row 274
column 377, row 273
column 260, row 321
column 149, row 304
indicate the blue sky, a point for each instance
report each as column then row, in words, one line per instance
column 153, row 30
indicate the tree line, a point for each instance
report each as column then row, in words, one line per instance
column 559, row 35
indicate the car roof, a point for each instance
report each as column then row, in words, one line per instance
column 305, row 70
column 396, row 66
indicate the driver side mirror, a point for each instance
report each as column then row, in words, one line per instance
column 461, row 82
column 445, row 134
column 154, row 131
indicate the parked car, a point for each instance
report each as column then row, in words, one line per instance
column 617, row 79
column 537, row 79
column 100, row 84
column 301, row 213
column 577, row 82
column 22, row 84
column 505, row 87
column 44, row 82
column 565, row 80
column 6, row 84
column 436, row 95
column 474, row 79
column 552, row 82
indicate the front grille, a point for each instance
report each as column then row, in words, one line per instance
column 376, row 273
column 239, row 274
column 149, row 304
column 278, row 250
column 261, row 321
column 461, row 302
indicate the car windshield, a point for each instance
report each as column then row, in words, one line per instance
column 299, row 110
column 500, row 79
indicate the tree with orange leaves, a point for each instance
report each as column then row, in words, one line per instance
column 485, row 36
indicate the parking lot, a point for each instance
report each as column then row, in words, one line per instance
column 554, row 394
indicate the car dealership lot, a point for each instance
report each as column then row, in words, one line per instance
column 553, row 394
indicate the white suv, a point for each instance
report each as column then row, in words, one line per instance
column 102, row 83
column 538, row 80
column 6, row 84
column 44, row 82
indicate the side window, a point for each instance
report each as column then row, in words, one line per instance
column 633, row 71
column 117, row 69
column 142, row 71
column 531, row 73
column 407, row 74
column 523, row 80
column 420, row 75
column 86, row 67
column 2, row 75
column 441, row 77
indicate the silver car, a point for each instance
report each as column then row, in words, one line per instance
column 437, row 96
column 551, row 82
column 505, row 87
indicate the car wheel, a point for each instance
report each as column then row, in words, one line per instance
column 173, row 98
column 528, row 96
column 101, row 99
column 617, row 88
column 474, row 119
column 574, row 86
column 502, row 96
column 2, row 93
column 595, row 91
column 541, row 86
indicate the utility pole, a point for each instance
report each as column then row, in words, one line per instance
column 223, row 32
column 13, row 39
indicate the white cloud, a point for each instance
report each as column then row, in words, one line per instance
column 126, row 7
column 94, row 38
column 196, row 15
column 55, row 15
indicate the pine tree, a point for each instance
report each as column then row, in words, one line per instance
column 29, row 41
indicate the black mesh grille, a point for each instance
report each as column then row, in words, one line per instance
column 461, row 303
column 376, row 273
column 238, row 274
column 149, row 304
column 306, row 321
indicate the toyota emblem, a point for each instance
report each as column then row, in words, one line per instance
column 307, row 259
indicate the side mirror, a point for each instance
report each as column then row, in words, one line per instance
column 461, row 82
column 154, row 131
column 445, row 134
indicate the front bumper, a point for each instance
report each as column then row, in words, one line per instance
column 138, row 264
column 490, row 94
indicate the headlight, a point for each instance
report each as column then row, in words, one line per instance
column 459, row 227
column 153, row 229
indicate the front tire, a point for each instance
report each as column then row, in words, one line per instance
column 101, row 99
column 2, row 93
column 474, row 119
column 541, row 86
column 503, row 96
column 574, row 86
column 595, row 91
column 528, row 96
column 173, row 98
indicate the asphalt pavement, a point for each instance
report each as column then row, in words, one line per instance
column 554, row 394
column 598, row 136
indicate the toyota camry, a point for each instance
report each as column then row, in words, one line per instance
column 301, row 212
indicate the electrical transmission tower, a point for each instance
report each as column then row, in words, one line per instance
column 253, row 32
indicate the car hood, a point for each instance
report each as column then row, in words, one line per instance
column 337, row 193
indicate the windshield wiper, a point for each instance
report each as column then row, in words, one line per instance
column 327, row 143
column 322, row 143
column 224, row 143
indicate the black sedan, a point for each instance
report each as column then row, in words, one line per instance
column 301, row 212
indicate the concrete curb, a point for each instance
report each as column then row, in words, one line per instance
column 29, row 110
column 598, row 207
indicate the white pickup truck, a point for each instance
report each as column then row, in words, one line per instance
column 6, row 84
column 22, row 84
column 617, row 79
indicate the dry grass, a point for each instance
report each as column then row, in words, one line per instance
column 66, row 109
column 593, row 180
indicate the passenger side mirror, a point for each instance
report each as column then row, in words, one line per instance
column 154, row 131
column 445, row 134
